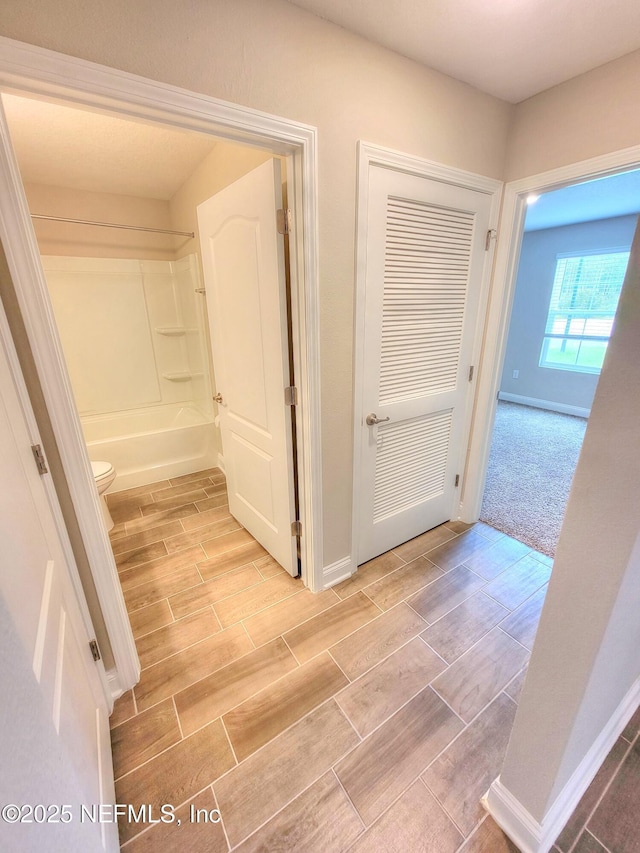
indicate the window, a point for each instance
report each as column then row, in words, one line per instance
column 584, row 298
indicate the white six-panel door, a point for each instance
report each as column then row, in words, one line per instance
column 425, row 256
column 39, row 595
column 243, row 264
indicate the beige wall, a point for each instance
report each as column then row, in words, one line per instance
column 59, row 238
column 593, row 114
column 585, row 659
column 273, row 56
column 224, row 165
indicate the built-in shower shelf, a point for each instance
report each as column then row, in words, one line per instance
column 182, row 376
column 171, row 331
column 178, row 377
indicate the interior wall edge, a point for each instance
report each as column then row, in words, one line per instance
column 34, row 386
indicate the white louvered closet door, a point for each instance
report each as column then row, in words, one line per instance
column 424, row 269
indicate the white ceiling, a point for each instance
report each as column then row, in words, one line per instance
column 617, row 195
column 71, row 147
column 512, row 49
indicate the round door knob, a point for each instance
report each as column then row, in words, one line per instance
column 218, row 399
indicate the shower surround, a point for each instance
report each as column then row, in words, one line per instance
column 134, row 337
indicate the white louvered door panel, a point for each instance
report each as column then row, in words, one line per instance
column 424, row 268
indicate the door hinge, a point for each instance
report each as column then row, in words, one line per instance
column 457, row 483
column 95, row 651
column 491, row 235
column 291, row 396
column 41, row 462
column 471, row 374
column 285, row 221
column 296, row 528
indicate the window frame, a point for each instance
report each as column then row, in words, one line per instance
column 583, row 314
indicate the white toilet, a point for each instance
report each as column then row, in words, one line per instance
column 104, row 474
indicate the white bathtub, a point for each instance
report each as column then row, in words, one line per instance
column 152, row 444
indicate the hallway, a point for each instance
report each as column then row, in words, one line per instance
column 366, row 717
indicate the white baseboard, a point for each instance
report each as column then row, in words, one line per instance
column 532, row 836
column 115, row 685
column 338, row 571
column 563, row 408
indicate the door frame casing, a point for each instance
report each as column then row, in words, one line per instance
column 370, row 155
column 503, row 288
column 27, row 69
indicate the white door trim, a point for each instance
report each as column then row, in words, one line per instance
column 499, row 311
column 373, row 155
column 26, row 68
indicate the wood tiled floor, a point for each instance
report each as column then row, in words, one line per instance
column 370, row 717
column 607, row 819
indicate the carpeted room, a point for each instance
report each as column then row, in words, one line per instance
column 572, row 261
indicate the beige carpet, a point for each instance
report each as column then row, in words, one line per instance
column 533, row 456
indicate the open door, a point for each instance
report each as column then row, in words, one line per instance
column 244, row 274
column 57, row 750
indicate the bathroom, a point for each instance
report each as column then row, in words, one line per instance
column 129, row 302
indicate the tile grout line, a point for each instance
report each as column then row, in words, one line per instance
column 600, row 799
column 275, row 814
column 507, row 634
column 350, row 801
column 471, row 648
column 288, row 728
column 299, row 794
column 298, row 624
column 595, row 837
column 431, row 649
column 449, row 612
column 245, row 630
column 381, row 661
column 173, row 615
column 169, row 572
column 441, row 697
column 233, row 752
column 135, row 703
column 276, row 603
column 349, row 680
column 163, row 597
column 246, row 589
column 463, row 730
column 246, row 699
column 409, row 595
column 208, row 538
column 293, row 654
column 148, row 829
column 357, row 733
column 175, row 708
column 224, row 828
column 504, row 693
column 444, row 808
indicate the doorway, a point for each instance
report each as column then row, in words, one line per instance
column 573, row 259
column 129, row 303
column 297, row 145
column 135, row 306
